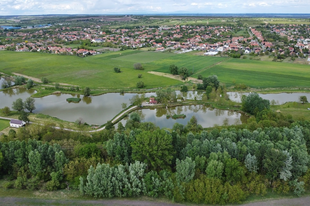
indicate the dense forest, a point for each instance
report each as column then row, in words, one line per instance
column 185, row 164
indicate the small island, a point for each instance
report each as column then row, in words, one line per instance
column 176, row 116
column 74, row 100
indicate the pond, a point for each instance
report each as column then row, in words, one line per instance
column 279, row 98
column 206, row 116
column 93, row 110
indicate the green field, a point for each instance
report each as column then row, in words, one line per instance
column 95, row 72
column 98, row 71
column 260, row 74
column 4, row 124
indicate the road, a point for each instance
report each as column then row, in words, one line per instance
column 9, row 201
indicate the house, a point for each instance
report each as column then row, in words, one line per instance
column 152, row 100
column 17, row 123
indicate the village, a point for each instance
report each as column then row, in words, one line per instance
column 279, row 41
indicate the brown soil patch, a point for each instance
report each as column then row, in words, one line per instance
column 177, row 77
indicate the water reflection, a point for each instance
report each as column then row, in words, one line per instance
column 207, row 117
column 275, row 99
column 93, row 110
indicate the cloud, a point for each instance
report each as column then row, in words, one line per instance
column 151, row 6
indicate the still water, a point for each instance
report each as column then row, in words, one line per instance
column 205, row 116
column 279, row 98
column 93, row 110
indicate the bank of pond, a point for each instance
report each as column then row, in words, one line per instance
column 97, row 110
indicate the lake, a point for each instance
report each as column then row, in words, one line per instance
column 279, row 98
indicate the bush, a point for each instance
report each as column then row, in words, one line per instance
column 184, row 88
column 139, row 75
column 200, row 76
column 44, row 80
column 7, row 185
column 138, row 66
column 140, row 84
column 6, row 111
column 117, row 70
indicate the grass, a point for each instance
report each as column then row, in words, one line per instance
column 97, row 72
column 297, row 110
column 74, row 100
column 259, row 74
column 94, row 72
column 4, row 124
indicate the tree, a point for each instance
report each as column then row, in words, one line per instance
column 193, row 125
column 29, row 104
column 184, row 88
column 211, row 81
column 140, row 84
column 303, row 99
column 273, row 163
column 200, row 76
column 6, row 111
column 153, row 148
column 185, row 170
column 29, row 84
column 57, row 86
column 250, row 163
column 138, row 66
column 18, row 105
column 87, row 92
column 184, row 73
column 174, row 69
column 253, row 103
column 24, row 116
column 117, row 70
column 208, row 91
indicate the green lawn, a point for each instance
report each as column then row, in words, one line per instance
column 4, row 124
column 260, row 74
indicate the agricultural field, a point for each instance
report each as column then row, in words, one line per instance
column 260, row 74
column 4, row 124
column 95, row 72
column 98, row 71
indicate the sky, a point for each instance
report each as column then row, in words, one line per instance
column 31, row 7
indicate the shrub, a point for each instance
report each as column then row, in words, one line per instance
column 44, row 80
column 7, row 185
column 138, row 66
column 117, row 70
column 140, row 84
column 139, row 75
column 200, row 76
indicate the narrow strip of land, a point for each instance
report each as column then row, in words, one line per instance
column 37, row 79
column 115, row 119
column 8, row 201
column 177, row 77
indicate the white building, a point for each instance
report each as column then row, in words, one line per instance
column 17, row 123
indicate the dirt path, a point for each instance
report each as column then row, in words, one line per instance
column 9, row 201
column 37, row 79
column 177, row 77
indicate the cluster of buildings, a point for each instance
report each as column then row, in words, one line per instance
column 211, row 39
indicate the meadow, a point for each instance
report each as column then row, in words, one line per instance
column 95, row 72
column 260, row 74
column 98, row 71
column 4, row 124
